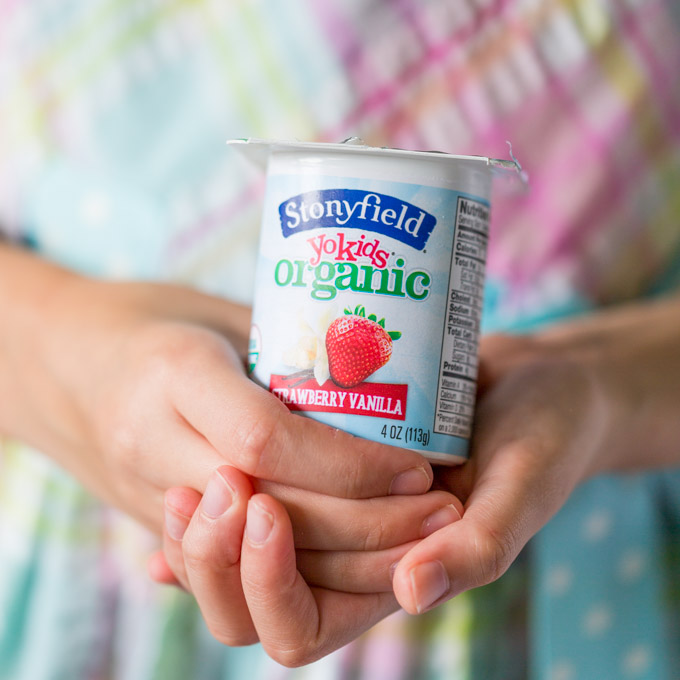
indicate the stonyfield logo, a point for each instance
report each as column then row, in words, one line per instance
column 357, row 209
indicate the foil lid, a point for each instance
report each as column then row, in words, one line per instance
column 258, row 151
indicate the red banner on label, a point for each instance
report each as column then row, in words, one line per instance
column 380, row 400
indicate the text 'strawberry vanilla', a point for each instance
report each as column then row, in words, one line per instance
column 369, row 289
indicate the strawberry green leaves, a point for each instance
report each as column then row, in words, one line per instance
column 360, row 311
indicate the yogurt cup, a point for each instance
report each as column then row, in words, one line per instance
column 369, row 288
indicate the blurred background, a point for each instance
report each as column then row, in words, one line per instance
column 113, row 121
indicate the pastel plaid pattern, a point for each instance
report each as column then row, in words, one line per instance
column 113, row 115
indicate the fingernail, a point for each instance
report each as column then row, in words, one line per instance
column 439, row 519
column 175, row 524
column 429, row 583
column 393, row 568
column 412, row 481
column 217, row 498
column 259, row 523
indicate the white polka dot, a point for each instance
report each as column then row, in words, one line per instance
column 560, row 578
column 598, row 620
column 95, row 208
column 631, row 565
column 562, row 670
column 597, row 526
column 636, row 661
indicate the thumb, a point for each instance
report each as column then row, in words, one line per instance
column 510, row 501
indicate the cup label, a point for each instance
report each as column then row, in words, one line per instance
column 367, row 306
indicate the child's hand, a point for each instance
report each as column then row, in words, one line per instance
column 153, row 395
column 587, row 397
column 537, row 426
column 136, row 388
column 257, row 586
column 554, row 409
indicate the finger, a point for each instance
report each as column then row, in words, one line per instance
column 508, row 505
column 323, row 522
column 351, row 571
column 212, row 551
column 180, row 505
column 296, row 624
column 159, row 570
column 257, row 434
column 194, row 464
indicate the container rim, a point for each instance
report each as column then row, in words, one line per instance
column 258, row 151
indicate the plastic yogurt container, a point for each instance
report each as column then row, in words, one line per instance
column 369, row 288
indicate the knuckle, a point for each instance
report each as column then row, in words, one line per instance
column 356, row 475
column 375, row 535
column 203, row 553
column 357, row 468
column 495, row 552
column 169, row 347
column 121, row 433
column 197, row 554
column 300, row 647
column 163, row 348
column 121, row 410
column 120, row 436
column 254, row 434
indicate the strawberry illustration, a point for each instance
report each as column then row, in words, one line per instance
column 357, row 346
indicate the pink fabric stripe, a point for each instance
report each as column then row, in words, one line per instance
column 559, row 233
column 663, row 83
column 380, row 98
column 618, row 179
column 568, row 230
column 6, row 6
column 555, row 235
column 348, row 47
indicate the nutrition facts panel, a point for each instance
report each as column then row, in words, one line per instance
column 458, row 366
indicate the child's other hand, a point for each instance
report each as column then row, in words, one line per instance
column 155, row 396
column 303, row 588
column 599, row 394
column 538, row 425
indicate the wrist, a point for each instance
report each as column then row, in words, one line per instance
column 631, row 354
column 640, row 383
column 29, row 288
